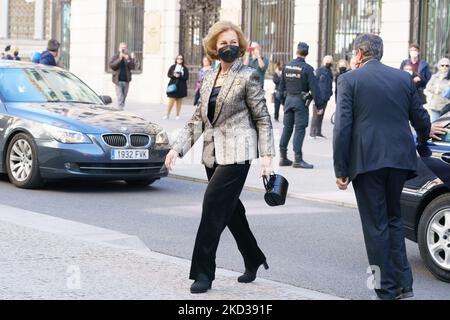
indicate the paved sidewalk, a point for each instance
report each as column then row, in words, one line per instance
column 43, row 257
column 318, row 184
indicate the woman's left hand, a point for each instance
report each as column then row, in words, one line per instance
column 266, row 166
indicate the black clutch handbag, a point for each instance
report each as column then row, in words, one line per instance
column 276, row 190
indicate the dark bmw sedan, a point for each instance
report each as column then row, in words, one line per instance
column 53, row 126
column 426, row 206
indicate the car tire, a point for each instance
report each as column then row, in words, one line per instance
column 140, row 183
column 427, row 237
column 22, row 165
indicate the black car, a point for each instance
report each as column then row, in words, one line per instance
column 426, row 206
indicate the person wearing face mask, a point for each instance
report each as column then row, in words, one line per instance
column 342, row 67
column 233, row 117
column 324, row 75
column 420, row 68
column 435, row 89
column 298, row 80
column 374, row 149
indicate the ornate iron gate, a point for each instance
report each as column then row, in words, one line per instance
column 271, row 24
column 342, row 21
column 196, row 17
column 430, row 28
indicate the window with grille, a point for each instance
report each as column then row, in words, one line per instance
column 435, row 30
column 125, row 24
column 21, row 19
column 271, row 24
column 343, row 20
column 61, row 12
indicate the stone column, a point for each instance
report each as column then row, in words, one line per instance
column 39, row 19
column 3, row 19
column 395, row 31
column 306, row 29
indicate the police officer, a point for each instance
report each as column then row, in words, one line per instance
column 297, row 80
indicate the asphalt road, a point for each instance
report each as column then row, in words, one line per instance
column 310, row 245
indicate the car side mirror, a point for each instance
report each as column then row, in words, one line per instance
column 106, row 99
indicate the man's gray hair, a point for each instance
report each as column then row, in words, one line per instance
column 370, row 44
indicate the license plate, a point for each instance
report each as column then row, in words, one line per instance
column 129, row 154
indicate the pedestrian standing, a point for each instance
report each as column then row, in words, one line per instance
column 278, row 97
column 16, row 56
column 324, row 76
column 420, row 68
column 297, row 80
column 179, row 75
column 207, row 65
column 236, row 124
column 122, row 63
column 342, row 67
column 254, row 59
column 435, row 89
column 375, row 150
column 410, row 69
column 49, row 57
column 7, row 54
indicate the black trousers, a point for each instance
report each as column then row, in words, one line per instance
column 316, row 122
column 277, row 105
column 378, row 196
column 222, row 208
column 295, row 115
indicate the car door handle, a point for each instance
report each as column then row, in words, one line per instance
column 446, row 157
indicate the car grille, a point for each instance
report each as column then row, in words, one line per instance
column 139, row 140
column 121, row 140
column 115, row 140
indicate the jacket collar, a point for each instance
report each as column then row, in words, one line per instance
column 228, row 83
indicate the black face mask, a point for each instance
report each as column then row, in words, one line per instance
column 328, row 65
column 229, row 53
column 342, row 70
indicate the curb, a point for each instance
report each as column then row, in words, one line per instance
column 289, row 195
column 120, row 241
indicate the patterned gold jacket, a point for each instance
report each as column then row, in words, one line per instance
column 241, row 129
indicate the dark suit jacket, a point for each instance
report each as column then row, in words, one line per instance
column 130, row 64
column 374, row 106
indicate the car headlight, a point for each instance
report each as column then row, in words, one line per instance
column 66, row 136
column 162, row 138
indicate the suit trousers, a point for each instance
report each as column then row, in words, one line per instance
column 296, row 116
column 378, row 196
column 122, row 92
column 316, row 122
column 222, row 208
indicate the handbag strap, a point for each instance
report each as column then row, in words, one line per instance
column 266, row 182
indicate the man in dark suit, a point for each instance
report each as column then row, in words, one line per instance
column 374, row 149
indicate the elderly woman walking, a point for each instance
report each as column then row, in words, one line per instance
column 233, row 116
column 435, row 89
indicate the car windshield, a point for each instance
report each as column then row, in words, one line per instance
column 33, row 85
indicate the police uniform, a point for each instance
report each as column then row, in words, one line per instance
column 297, row 80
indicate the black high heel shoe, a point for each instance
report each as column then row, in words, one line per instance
column 250, row 274
column 201, row 285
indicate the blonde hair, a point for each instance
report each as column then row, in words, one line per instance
column 342, row 63
column 210, row 42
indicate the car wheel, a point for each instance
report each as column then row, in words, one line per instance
column 140, row 183
column 434, row 237
column 22, row 163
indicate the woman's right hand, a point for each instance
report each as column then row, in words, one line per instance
column 171, row 158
